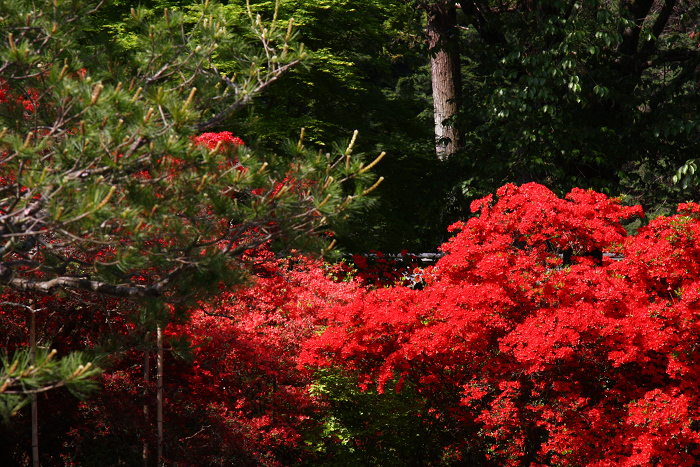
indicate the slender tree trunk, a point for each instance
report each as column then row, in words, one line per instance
column 146, row 378
column 445, row 74
column 159, row 409
column 35, row 407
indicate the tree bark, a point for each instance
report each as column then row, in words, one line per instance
column 76, row 283
column 445, row 75
column 637, row 11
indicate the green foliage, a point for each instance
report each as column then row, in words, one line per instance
column 367, row 70
column 553, row 93
column 394, row 428
column 686, row 174
column 25, row 373
column 563, row 96
column 104, row 188
column 357, row 52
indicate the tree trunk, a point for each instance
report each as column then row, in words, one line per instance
column 446, row 75
column 146, row 379
column 34, row 402
column 637, row 11
column 159, row 385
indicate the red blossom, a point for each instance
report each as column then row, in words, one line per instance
column 211, row 140
column 553, row 362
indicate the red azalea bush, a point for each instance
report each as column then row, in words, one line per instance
column 239, row 398
column 537, row 362
column 27, row 101
column 377, row 269
column 226, row 142
column 511, row 357
column 243, row 400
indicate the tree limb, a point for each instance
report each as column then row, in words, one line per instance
column 240, row 103
column 659, row 26
column 76, row 283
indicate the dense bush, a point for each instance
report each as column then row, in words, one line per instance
column 533, row 361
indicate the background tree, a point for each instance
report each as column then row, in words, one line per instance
column 368, row 70
column 446, row 74
column 549, row 97
column 588, row 94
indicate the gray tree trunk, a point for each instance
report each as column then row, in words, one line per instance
column 445, row 74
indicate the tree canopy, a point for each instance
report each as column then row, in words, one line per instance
column 590, row 94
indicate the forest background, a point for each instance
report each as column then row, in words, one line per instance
column 591, row 94
column 547, row 93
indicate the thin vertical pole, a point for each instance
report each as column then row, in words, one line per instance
column 35, row 408
column 159, row 409
column 146, row 377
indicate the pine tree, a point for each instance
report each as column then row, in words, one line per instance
column 105, row 187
